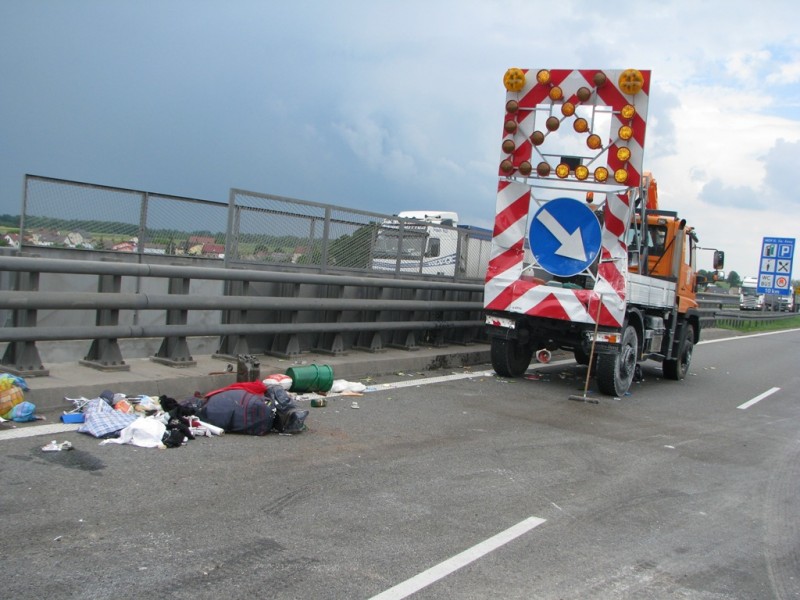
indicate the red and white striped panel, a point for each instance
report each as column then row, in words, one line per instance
column 505, row 288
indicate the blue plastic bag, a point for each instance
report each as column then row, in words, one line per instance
column 23, row 412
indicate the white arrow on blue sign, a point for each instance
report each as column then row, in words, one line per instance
column 565, row 237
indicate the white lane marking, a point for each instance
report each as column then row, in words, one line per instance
column 455, row 376
column 33, row 430
column 758, row 398
column 443, row 569
column 744, row 337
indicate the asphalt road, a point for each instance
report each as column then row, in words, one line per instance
column 472, row 487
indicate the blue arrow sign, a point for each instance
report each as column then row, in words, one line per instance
column 565, row 237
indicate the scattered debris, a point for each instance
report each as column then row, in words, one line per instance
column 54, row 446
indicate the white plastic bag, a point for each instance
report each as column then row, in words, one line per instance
column 342, row 385
column 145, row 433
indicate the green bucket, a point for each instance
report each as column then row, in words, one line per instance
column 311, row 378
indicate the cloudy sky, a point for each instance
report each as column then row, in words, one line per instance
column 389, row 106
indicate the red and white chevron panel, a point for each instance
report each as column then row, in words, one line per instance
column 506, row 288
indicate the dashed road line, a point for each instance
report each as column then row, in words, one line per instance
column 445, row 568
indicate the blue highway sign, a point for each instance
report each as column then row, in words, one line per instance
column 775, row 266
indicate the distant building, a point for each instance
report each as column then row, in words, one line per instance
column 129, row 246
column 214, row 250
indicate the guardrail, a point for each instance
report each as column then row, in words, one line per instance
column 746, row 319
column 253, row 311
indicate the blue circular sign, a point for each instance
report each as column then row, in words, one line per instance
column 565, row 236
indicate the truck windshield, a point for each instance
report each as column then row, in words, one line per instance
column 749, row 291
column 389, row 245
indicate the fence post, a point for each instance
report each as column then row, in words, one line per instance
column 231, row 346
column 174, row 350
column 105, row 354
column 22, row 358
column 331, row 343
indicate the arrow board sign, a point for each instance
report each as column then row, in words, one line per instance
column 565, row 237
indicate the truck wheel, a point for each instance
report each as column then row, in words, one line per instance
column 510, row 358
column 615, row 371
column 677, row 368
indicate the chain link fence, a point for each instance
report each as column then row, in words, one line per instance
column 251, row 229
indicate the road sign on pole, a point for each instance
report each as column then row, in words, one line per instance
column 775, row 266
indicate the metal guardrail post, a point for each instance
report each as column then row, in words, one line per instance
column 22, row 357
column 331, row 342
column 174, row 350
column 369, row 341
column 104, row 353
column 404, row 340
column 286, row 345
column 231, row 346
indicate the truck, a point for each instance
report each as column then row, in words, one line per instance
column 749, row 298
column 583, row 258
column 431, row 242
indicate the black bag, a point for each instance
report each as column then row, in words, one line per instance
column 288, row 417
column 291, row 420
column 173, row 438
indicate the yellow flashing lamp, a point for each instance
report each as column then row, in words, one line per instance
column 589, row 197
column 601, row 174
column 627, row 112
column 625, row 133
column 620, row 176
column 568, row 109
column 631, row 81
column 581, row 125
column 514, row 79
column 562, row 170
column 594, row 142
column 624, row 154
column 543, row 76
column 581, row 172
column 555, row 93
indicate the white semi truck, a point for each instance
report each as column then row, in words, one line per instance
column 431, row 243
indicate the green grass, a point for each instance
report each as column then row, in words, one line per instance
column 764, row 325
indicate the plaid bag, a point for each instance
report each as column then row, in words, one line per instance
column 101, row 420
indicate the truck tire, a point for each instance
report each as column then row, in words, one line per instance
column 510, row 358
column 677, row 368
column 615, row 371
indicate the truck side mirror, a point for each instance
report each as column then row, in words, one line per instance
column 719, row 260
